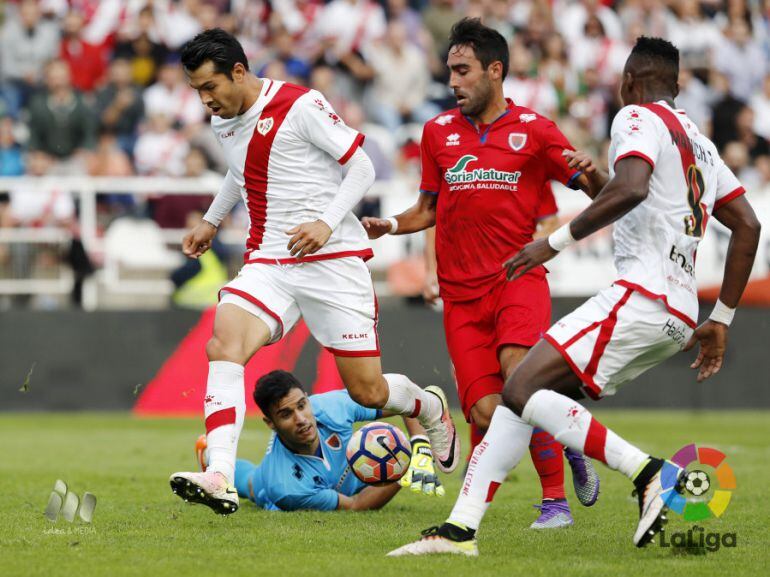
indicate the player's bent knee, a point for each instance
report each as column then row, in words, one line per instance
column 515, row 394
column 481, row 415
column 219, row 350
column 368, row 394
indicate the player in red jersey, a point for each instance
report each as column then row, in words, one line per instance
column 485, row 165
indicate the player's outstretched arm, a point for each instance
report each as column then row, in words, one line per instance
column 198, row 240
column 419, row 217
column 593, row 179
column 627, row 189
column 372, row 497
column 430, row 289
column 739, row 217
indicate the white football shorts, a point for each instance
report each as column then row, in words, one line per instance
column 335, row 297
column 615, row 336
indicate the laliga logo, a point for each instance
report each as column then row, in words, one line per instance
column 692, row 504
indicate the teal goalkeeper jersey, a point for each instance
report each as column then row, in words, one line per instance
column 287, row 481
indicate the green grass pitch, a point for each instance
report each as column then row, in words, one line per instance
column 140, row 528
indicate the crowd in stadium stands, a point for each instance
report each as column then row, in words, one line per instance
column 95, row 87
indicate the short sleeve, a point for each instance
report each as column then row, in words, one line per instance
column 635, row 133
column 324, row 128
column 430, row 181
column 728, row 186
column 337, row 407
column 553, row 144
column 548, row 205
column 320, row 500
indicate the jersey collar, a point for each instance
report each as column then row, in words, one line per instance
column 266, row 94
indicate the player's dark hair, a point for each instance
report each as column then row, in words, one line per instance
column 222, row 48
column 659, row 57
column 272, row 387
column 488, row 44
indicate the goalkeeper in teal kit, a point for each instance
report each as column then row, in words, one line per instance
column 305, row 466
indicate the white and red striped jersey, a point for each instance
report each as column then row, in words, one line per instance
column 285, row 157
column 656, row 242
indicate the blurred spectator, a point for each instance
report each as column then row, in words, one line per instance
column 50, row 206
column 348, row 26
column 109, row 159
column 744, row 128
column 120, row 105
column 172, row 96
column 400, row 11
column 597, row 51
column 177, row 20
column 11, row 162
column 171, row 211
column 526, row 89
column 284, row 50
column 760, row 104
column 650, row 15
column 401, row 77
column 438, row 18
column 572, row 20
column 737, row 159
column 87, row 61
column 495, row 15
column 695, row 36
column 695, row 98
column 60, row 122
column 160, row 150
column 142, row 49
column 26, row 43
column 554, row 67
column 741, row 59
column 724, row 111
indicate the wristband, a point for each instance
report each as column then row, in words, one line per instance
column 722, row 313
column 561, row 238
column 393, row 224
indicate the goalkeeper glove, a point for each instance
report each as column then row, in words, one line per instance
column 421, row 476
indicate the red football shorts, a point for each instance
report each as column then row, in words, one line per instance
column 512, row 313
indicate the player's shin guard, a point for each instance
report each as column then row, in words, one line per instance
column 547, row 457
column 224, row 408
column 573, row 425
column 503, row 446
column 408, row 399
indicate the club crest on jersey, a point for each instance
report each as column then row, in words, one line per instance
column 265, row 125
column 517, row 140
column 334, row 442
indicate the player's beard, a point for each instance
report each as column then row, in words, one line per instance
column 476, row 105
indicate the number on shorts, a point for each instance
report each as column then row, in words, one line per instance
column 695, row 222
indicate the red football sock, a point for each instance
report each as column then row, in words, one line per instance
column 548, row 458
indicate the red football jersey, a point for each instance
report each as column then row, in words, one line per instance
column 490, row 181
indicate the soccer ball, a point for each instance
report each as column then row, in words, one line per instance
column 378, row 452
column 697, row 483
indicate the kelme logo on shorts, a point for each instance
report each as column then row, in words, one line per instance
column 459, row 173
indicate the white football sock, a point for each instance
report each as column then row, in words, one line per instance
column 408, row 399
column 573, row 425
column 503, row 446
column 224, row 408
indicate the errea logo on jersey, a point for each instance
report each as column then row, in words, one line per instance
column 453, row 139
column 444, row 119
column 458, row 173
